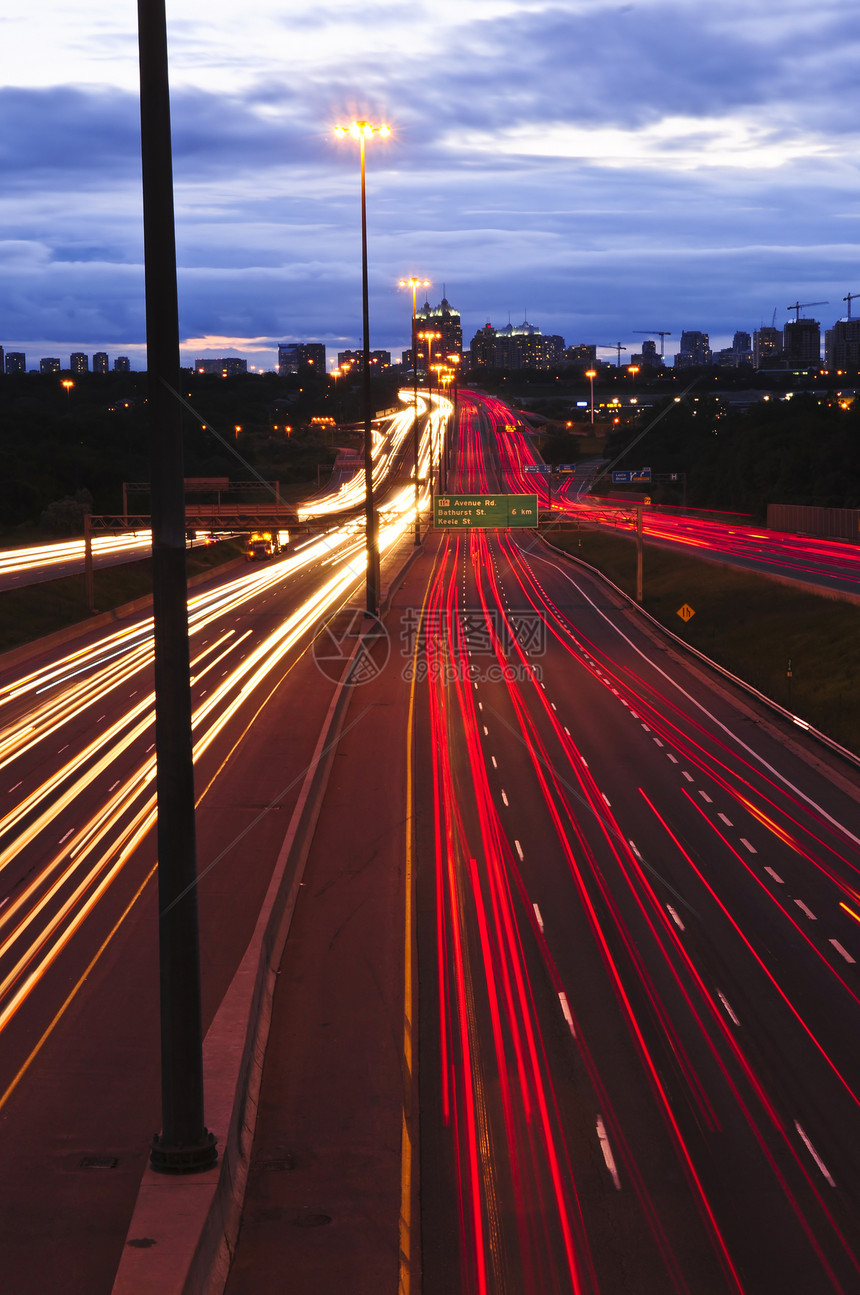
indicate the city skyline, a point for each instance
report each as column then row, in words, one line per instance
column 594, row 171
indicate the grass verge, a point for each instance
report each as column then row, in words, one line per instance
column 36, row 610
column 750, row 624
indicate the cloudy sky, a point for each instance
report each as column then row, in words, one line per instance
column 596, row 168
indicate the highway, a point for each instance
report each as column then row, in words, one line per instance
column 79, row 1055
column 827, row 564
column 639, row 920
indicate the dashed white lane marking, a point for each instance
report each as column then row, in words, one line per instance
column 688, row 776
column 114, row 786
column 519, row 850
column 63, row 748
column 751, row 848
column 495, row 764
column 675, row 918
column 657, row 741
column 66, row 837
column 808, row 911
column 672, row 757
column 726, row 1005
column 840, row 950
column 606, row 799
column 504, row 797
column 538, row 918
column 725, row 819
column 150, row 748
column 632, row 845
column 646, row 728
column 815, row 1156
column 565, row 1007
column 552, row 703
column 17, row 785
column 480, row 705
column 775, row 876
column 705, row 797
column 486, row 731
column 584, row 761
column 607, row 1152
column 567, row 731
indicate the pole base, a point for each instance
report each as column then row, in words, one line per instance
column 181, row 1159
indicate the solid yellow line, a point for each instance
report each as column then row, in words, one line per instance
column 406, row 1155
column 55, row 1022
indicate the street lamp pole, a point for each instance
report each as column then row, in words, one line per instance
column 362, row 130
column 430, row 337
column 591, row 375
column 414, row 283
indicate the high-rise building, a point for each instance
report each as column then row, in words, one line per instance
column 445, row 320
column 515, row 347
column 79, row 363
column 695, row 349
column 100, row 362
column 742, row 348
column 801, row 343
column 121, row 364
column 353, row 361
column 581, row 354
column 296, row 357
column 482, row 349
column 16, row 362
column 842, row 344
column 767, row 347
column 1, row 360
column 50, row 364
column 225, row 367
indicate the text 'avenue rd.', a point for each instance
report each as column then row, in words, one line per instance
column 485, row 512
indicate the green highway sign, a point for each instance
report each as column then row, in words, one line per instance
column 484, row 512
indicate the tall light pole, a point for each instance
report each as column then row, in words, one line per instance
column 415, row 283
column 184, row 1145
column 429, row 336
column 591, row 374
column 362, row 130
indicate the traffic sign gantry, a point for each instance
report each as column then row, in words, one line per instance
column 537, row 467
column 484, row 512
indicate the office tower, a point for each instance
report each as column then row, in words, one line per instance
column 445, row 320
column 224, row 367
column 801, row 343
column 695, row 349
column 842, row 344
column 297, row 357
column 767, row 347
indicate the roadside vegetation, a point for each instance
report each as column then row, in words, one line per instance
column 756, row 627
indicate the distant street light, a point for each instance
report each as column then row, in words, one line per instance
column 414, row 283
column 68, row 384
column 591, row 374
column 361, row 131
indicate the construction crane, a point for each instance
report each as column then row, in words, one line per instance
column 612, row 346
column 802, row 305
column 851, row 297
column 654, row 332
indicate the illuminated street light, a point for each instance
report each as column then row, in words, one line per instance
column 414, row 283
column 68, row 384
column 361, row 131
column 591, row 374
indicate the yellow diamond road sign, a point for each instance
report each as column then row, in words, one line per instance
column 686, row 612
